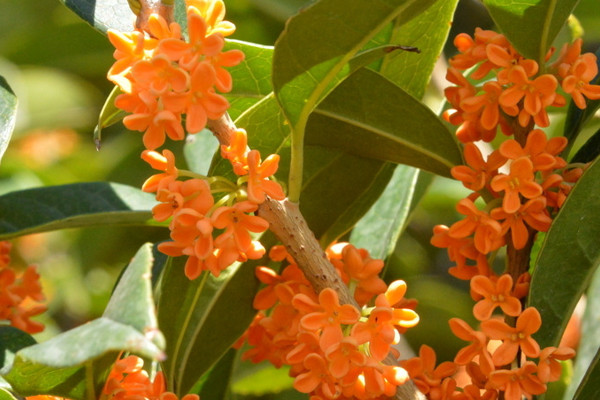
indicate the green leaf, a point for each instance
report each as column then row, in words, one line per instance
column 216, row 383
column 317, row 44
column 590, row 385
column 251, row 78
column 428, row 32
column 589, row 151
column 7, row 395
column 202, row 318
column 568, row 257
column 587, row 352
column 131, row 303
column 11, row 341
column 74, row 363
column 8, row 114
column 73, row 206
column 199, row 150
column 104, row 15
column 359, row 118
column 577, row 118
column 530, row 25
column 263, row 379
column 379, row 229
column 109, row 115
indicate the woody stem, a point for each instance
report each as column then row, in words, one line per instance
column 288, row 224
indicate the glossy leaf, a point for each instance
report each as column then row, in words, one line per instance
column 199, row 150
column 216, row 383
column 202, row 318
column 380, row 228
column 89, row 204
column 530, row 25
column 5, row 394
column 568, row 257
column 104, row 15
column 11, row 341
column 577, row 118
column 402, row 131
column 589, row 151
column 251, row 78
column 428, row 32
column 590, row 385
column 64, row 365
column 8, row 114
column 586, row 363
column 311, row 55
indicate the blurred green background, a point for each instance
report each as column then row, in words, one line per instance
column 56, row 64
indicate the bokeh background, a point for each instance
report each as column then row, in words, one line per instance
column 57, row 64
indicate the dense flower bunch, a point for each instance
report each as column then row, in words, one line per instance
column 523, row 183
column 517, row 92
column 334, row 351
column 196, row 217
column 20, row 295
column 129, row 381
column 163, row 76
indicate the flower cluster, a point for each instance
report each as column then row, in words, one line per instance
column 129, row 381
column 196, row 217
column 163, row 77
column 523, row 183
column 517, row 92
column 20, row 295
column 334, row 351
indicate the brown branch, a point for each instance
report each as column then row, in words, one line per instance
column 290, row 227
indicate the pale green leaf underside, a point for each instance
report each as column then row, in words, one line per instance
column 8, row 114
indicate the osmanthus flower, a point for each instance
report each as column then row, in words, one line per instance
column 378, row 330
column 20, row 295
column 473, row 51
column 507, row 58
column 236, row 152
column 259, row 185
column 516, row 383
column 130, row 47
column 326, row 315
column 129, row 381
column 317, row 377
column 537, row 94
column 193, row 194
column 514, row 338
column 472, row 392
column 424, row 372
column 533, row 213
column 478, row 172
column 238, row 221
column 577, row 82
column 460, row 250
column 549, row 367
column 542, row 152
column 393, row 298
column 519, row 182
column 280, row 288
column 495, row 293
column 158, row 75
column 487, row 231
column 358, row 270
column 477, row 350
column 345, row 358
column 487, row 106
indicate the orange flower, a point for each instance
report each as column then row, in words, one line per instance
column 549, row 368
column 326, row 315
column 158, row 75
column 478, row 172
column 378, row 331
column 317, row 376
column 236, row 152
column 520, row 336
column 542, row 152
column 164, row 162
column 424, row 372
column 129, row 48
column 517, row 383
column 532, row 213
column 495, row 294
column 520, row 181
column 577, row 83
column 238, row 223
column 488, row 232
column 259, row 186
column 344, row 358
column 536, row 95
column 18, row 299
column 478, row 347
column 486, row 105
